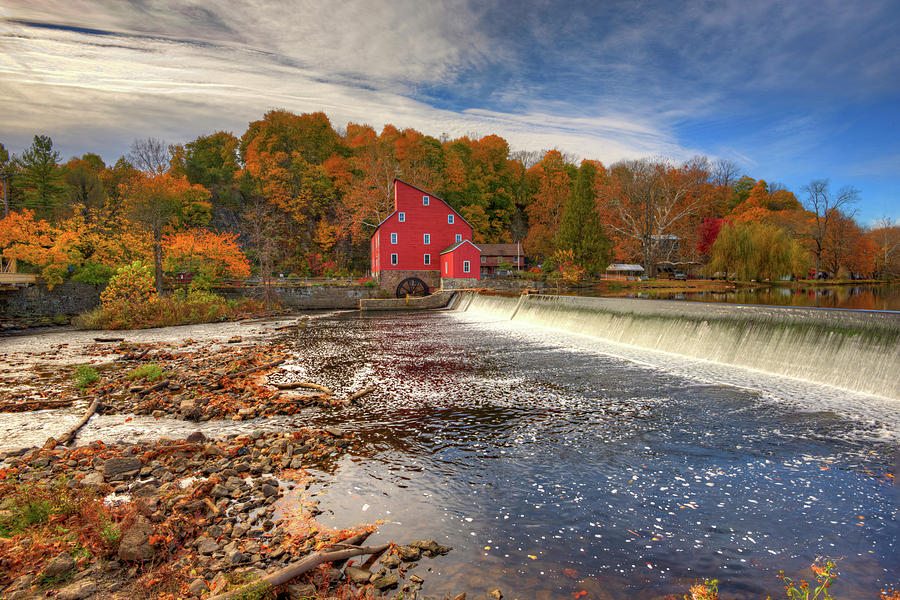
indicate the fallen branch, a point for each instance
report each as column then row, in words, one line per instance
column 262, row 367
column 152, row 388
column 33, row 405
column 307, row 563
column 360, row 394
column 69, row 436
column 303, row 384
column 112, row 339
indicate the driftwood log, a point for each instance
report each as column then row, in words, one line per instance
column 150, row 388
column 69, row 436
column 262, row 367
column 109, row 339
column 307, row 563
column 360, row 394
column 28, row 405
column 293, row 385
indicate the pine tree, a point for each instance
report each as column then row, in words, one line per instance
column 581, row 230
column 40, row 178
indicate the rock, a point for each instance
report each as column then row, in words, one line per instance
column 197, row 587
column 386, row 582
column 391, row 561
column 335, row 431
column 496, row 594
column 196, row 437
column 234, row 557
column 269, row 490
column 94, row 479
column 59, row 566
column 356, row 575
column 188, row 408
column 135, row 543
column 416, row 579
column 76, row 591
column 206, row 545
column 409, row 553
column 219, row 491
column 119, row 466
column 460, row 596
column 235, row 339
column 301, row 591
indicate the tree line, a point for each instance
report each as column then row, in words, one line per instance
column 293, row 194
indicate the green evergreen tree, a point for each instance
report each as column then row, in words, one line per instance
column 40, row 179
column 581, row 229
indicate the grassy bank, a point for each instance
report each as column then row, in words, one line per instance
column 179, row 309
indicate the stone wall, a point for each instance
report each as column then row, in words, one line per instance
column 459, row 283
column 389, row 280
column 437, row 300
column 37, row 301
column 311, row 297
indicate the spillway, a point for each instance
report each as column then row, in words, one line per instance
column 850, row 349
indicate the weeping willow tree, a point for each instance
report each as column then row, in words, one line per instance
column 757, row 251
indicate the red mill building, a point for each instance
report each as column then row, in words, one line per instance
column 424, row 244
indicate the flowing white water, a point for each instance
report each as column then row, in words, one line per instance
column 857, row 351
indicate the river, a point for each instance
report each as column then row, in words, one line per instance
column 555, row 463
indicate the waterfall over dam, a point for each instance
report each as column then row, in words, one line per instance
column 854, row 350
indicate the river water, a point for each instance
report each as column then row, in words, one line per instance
column 555, row 463
column 854, row 297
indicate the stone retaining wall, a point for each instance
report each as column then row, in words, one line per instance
column 438, row 300
column 37, row 301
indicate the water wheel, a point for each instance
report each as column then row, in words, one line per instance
column 412, row 286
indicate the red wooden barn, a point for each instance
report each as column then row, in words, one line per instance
column 408, row 246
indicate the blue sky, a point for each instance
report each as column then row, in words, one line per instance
column 790, row 91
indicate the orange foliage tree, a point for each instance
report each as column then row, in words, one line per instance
column 210, row 255
column 40, row 244
column 554, row 177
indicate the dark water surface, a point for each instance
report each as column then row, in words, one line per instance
column 860, row 297
column 553, row 470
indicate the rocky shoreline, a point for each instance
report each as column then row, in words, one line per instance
column 191, row 518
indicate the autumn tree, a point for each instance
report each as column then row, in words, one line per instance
column 553, row 178
column 38, row 243
column 85, row 188
column 825, row 205
column 39, row 178
column 7, row 169
column 209, row 255
column 885, row 236
column 581, row 229
column 158, row 202
column 150, row 155
column 649, row 199
column 211, row 161
column 756, row 251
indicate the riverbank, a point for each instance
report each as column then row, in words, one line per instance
column 150, row 517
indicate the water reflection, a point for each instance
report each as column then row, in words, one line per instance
column 860, row 297
column 553, row 471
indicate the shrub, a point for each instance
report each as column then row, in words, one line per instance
column 132, row 284
column 149, row 372
column 94, row 273
column 85, row 375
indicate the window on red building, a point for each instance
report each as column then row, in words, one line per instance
column 427, row 259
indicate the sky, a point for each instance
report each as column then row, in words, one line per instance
column 791, row 91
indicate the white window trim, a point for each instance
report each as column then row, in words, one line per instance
column 393, row 238
column 427, row 259
column 446, row 267
column 449, row 219
column 426, row 238
column 394, row 258
column 467, row 266
column 425, row 200
column 458, row 237
column 401, row 217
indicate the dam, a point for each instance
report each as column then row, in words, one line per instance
column 854, row 350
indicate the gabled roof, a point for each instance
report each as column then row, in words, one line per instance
column 457, row 245
column 624, row 267
column 430, row 195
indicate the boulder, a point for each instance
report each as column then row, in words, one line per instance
column 59, row 566
column 94, row 479
column 77, row 591
column 135, row 543
column 300, row 591
column 197, row 587
column 356, row 575
column 386, row 582
column 120, row 466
